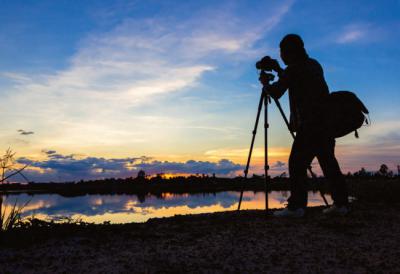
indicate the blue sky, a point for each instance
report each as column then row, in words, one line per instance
column 175, row 81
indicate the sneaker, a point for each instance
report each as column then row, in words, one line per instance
column 336, row 210
column 296, row 213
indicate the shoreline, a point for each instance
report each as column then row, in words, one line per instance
column 245, row 241
column 186, row 185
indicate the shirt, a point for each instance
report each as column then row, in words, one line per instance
column 307, row 92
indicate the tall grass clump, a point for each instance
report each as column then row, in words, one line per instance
column 9, row 217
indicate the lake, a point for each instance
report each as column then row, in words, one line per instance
column 133, row 208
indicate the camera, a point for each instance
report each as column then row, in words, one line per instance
column 266, row 63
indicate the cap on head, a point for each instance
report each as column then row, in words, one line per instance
column 292, row 42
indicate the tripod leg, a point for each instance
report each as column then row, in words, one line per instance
column 278, row 104
column 320, row 191
column 246, row 171
column 266, row 166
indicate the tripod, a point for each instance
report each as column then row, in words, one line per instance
column 265, row 98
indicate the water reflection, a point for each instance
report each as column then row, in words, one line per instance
column 131, row 208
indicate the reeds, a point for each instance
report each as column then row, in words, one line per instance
column 10, row 218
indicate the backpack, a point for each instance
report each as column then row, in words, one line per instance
column 345, row 113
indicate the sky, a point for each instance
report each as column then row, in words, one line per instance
column 94, row 89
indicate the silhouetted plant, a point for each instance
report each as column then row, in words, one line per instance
column 8, row 166
column 361, row 173
column 383, row 170
column 6, row 162
column 12, row 217
column 141, row 176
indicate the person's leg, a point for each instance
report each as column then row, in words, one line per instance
column 300, row 158
column 330, row 167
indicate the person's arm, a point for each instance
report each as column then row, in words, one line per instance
column 278, row 88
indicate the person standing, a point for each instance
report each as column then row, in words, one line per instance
column 304, row 79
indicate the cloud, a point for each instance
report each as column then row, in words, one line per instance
column 16, row 77
column 59, row 167
column 278, row 165
column 24, row 132
column 351, row 35
column 222, row 167
column 358, row 32
column 115, row 72
column 141, row 58
column 243, row 152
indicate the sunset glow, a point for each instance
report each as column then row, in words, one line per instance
column 95, row 90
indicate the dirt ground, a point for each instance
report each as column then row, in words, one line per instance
column 366, row 241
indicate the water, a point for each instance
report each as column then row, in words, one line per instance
column 131, row 208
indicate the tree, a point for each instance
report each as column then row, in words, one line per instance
column 361, row 173
column 384, row 170
column 141, row 174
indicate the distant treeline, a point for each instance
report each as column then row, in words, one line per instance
column 383, row 171
column 144, row 185
column 158, row 184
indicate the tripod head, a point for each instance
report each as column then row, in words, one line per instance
column 266, row 77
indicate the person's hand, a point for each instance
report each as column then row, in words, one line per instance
column 264, row 79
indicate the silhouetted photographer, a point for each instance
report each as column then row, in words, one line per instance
column 303, row 77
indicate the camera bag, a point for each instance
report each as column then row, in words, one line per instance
column 345, row 113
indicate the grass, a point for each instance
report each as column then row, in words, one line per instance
column 31, row 230
column 10, row 218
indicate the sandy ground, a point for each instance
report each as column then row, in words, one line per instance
column 366, row 241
